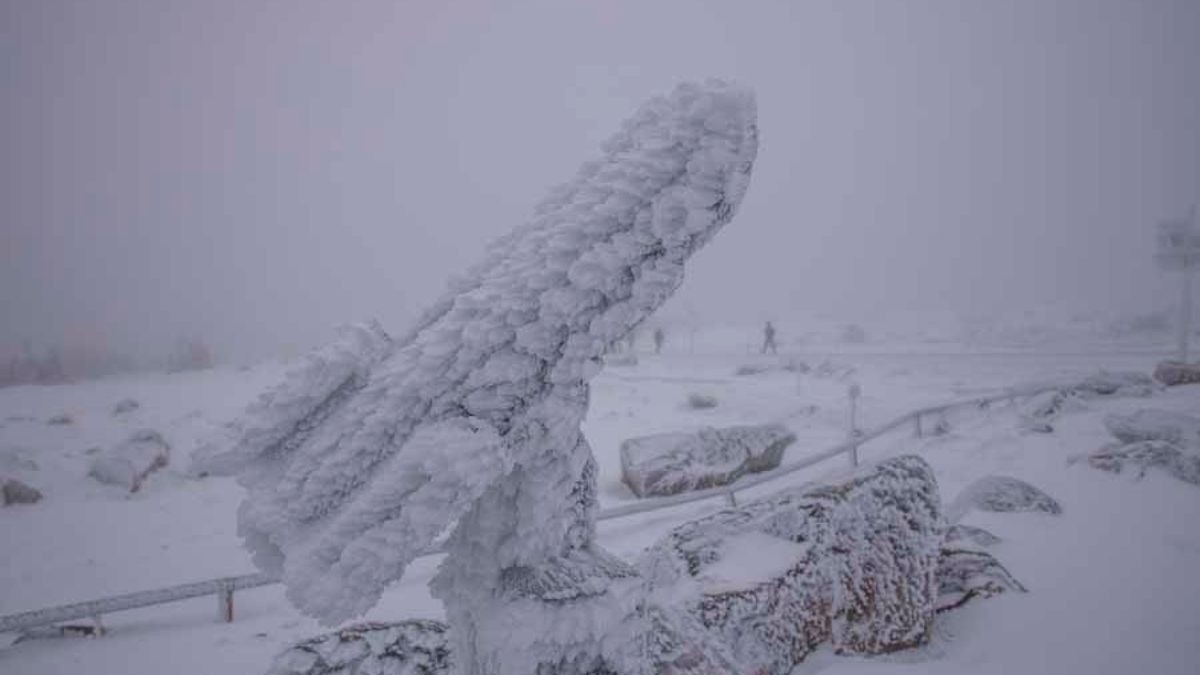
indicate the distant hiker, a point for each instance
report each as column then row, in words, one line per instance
column 769, row 339
column 659, row 338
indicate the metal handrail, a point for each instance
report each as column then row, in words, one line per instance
column 224, row 587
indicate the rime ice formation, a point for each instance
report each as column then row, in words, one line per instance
column 851, row 563
column 471, row 421
column 667, row 464
column 413, row 647
column 964, row 574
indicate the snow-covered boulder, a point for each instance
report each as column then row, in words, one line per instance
column 415, row 647
column 1121, row 383
column 13, row 491
column 1001, row 494
column 1172, row 373
column 964, row 574
column 1154, row 425
column 667, row 464
column 1141, row 456
column 698, row 401
column 851, row 563
column 1041, row 410
column 130, row 463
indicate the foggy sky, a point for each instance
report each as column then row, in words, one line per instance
column 255, row 173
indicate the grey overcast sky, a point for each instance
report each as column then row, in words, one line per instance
column 256, row 172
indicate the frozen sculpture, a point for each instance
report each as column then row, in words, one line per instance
column 470, row 423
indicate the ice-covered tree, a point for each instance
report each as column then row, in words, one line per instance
column 470, row 423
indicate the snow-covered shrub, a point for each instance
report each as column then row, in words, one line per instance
column 667, row 464
column 851, row 563
column 130, row 463
column 471, row 421
column 1000, row 494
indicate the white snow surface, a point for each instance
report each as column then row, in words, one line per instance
column 1112, row 580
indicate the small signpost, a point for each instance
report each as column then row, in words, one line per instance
column 1179, row 250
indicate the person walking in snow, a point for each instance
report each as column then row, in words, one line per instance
column 769, row 339
column 659, row 338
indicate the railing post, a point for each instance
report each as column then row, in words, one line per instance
column 917, row 425
column 731, row 498
column 225, row 602
column 854, row 392
column 99, row 629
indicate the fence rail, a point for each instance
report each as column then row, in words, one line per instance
column 224, row 587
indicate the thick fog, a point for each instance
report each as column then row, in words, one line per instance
column 254, row 173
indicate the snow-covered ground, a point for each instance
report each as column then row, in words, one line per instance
column 1114, row 582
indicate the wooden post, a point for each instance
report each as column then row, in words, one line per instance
column 854, row 392
column 917, row 424
column 225, row 603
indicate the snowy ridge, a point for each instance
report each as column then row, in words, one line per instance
column 474, row 416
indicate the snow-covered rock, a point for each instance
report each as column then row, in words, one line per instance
column 415, row 647
column 851, row 563
column 470, row 423
column 1041, row 410
column 13, row 491
column 1001, row 494
column 1154, row 425
column 667, row 464
column 1141, row 456
column 958, row 534
column 1119, row 383
column 965, row 573
column 698, row 401
column 130, row 462
column 125, row 405
column 1173, row 373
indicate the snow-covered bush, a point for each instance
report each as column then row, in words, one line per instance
column 471, row 421
column 667, row 464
